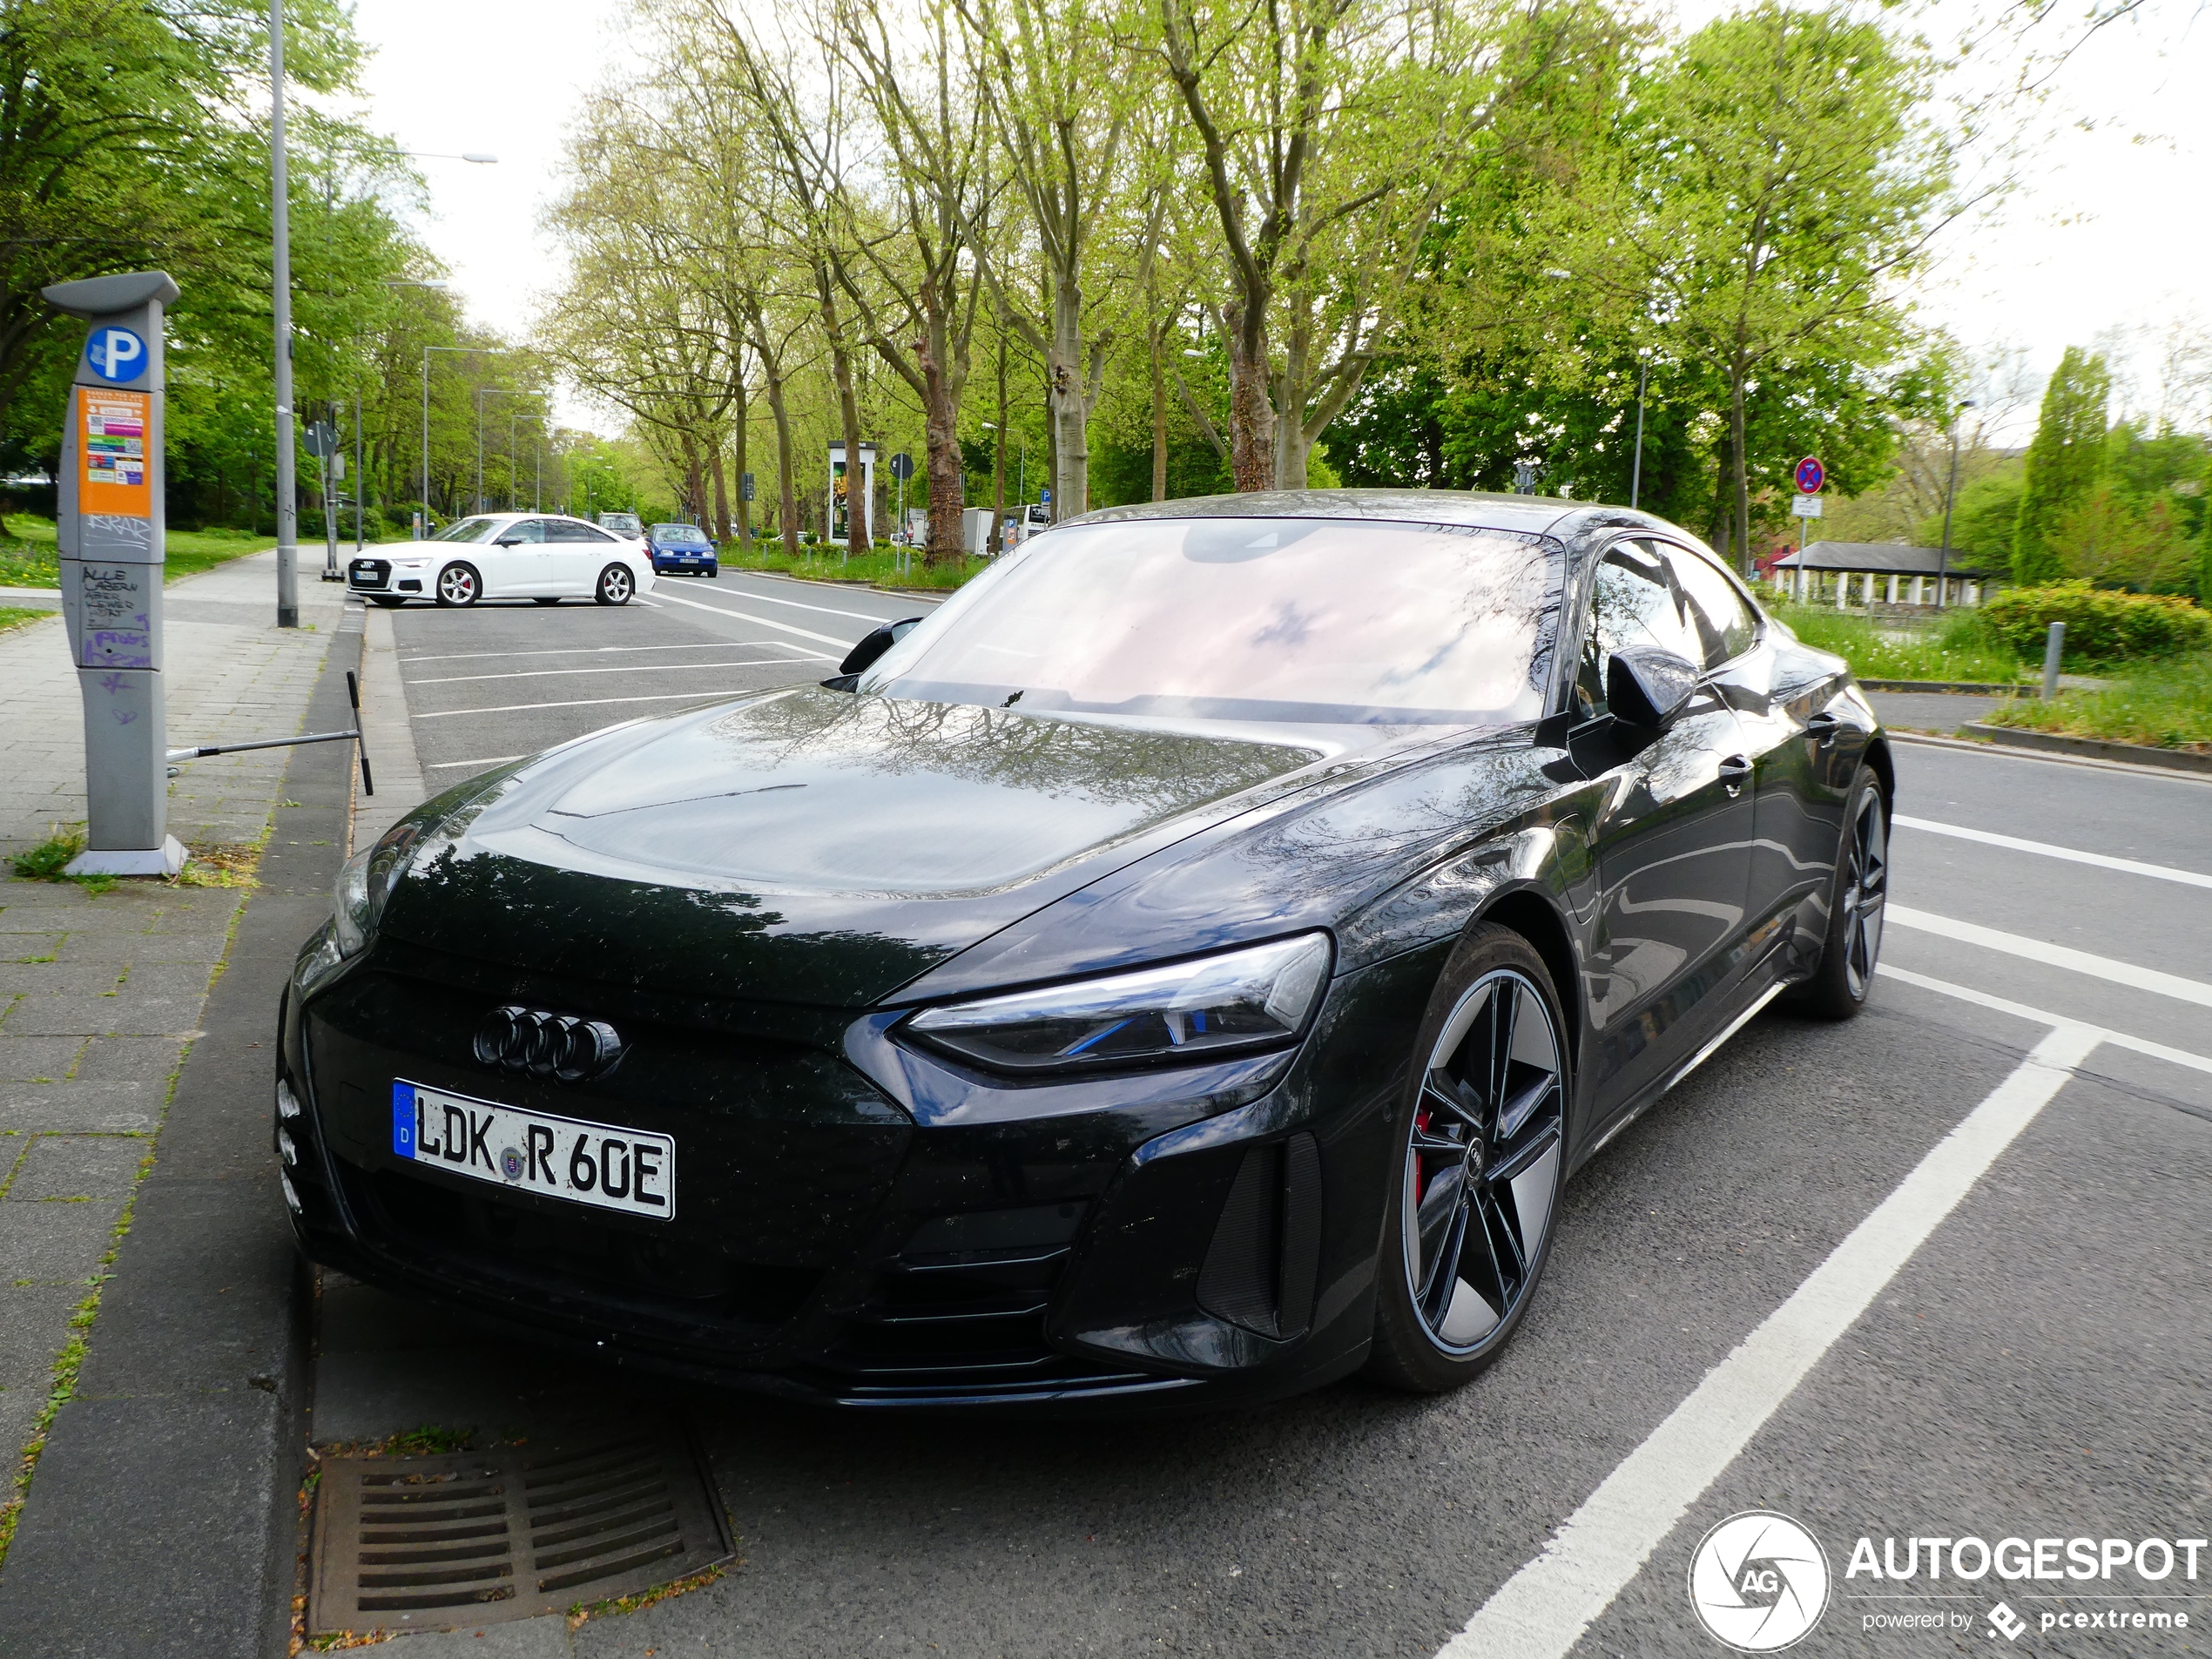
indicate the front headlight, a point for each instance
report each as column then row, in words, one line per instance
column 1256, row 998
column 365, row 883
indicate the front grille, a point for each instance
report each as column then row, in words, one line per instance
column 511, row 1246
column 961, row 1312
column 473, row 1538
column 370, row 573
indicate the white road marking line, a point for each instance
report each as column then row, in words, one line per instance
column 2036, row 950
column 596, row 651
column 2163, row 873
column 1542, row 1610
column 489, row 760
column 769, row 598
column 598, row 702
column 2005, row 1005
column 724, row 610
column 622, row 668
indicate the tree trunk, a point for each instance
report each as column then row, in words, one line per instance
column 744, row 463
column 1741, row 479
column 940, row 435
column 1159, row 419
column 721, row 494
column 859, row 536
column 786, row 497
column 1070, row 411
column 1251, row 414
column 998, row 453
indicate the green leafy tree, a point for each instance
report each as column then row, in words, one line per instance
column 2064, row 464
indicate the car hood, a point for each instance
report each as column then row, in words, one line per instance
column 810, row 846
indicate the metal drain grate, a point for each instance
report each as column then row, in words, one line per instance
column 432, row 1543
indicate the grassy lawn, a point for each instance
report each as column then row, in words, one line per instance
column 2165, row 704
column 13, row 618
column 882, row 566
column 28, row 557
column 1956, row 649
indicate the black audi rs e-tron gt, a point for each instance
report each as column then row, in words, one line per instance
column 1185, row 966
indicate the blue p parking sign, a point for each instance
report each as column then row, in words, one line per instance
column 116, row 353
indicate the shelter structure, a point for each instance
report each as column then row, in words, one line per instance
column 1871, row 573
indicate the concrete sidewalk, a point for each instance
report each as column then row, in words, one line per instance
column 102, row 993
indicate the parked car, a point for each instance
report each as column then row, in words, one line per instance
column 626, row 524
column 1188, row 965
column 545, row 556
column 682, row 550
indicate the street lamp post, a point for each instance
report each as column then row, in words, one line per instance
column 483, row 391
column 1950, row 491
column 481, row 351
column 1635, row 472
column 287, row 508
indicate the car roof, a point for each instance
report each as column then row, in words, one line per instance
column 1530, row 515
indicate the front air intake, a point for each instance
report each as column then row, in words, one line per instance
column 1260, row 1267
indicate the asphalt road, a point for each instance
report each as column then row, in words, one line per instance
column 2035, row 1368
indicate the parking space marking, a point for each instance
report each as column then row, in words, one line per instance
column 602, row 702
column 748, row 594
column 803, row 633
column 2005, row 1005
column 1542, row 1610
column 598, row 650
column 2163, row 873
column 622, row 668
column 2036, row 950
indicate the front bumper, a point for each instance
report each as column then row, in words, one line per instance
column 862, row 1224
column 675, row 564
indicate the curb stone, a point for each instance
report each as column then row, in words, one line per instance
column 2137, row 754
column 162, row 1521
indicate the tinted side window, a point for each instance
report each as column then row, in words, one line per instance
column 1633, row 602
column 1725, row 624
column 586, row 533
column 529, row 531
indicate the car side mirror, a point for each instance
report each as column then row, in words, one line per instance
column 509, row 541
column 874, row 644
column 1647, row 687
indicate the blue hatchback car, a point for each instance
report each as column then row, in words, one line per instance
column 682, row 550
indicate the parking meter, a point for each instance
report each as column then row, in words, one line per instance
column 110, row 532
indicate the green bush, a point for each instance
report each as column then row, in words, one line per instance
column 2102, row 624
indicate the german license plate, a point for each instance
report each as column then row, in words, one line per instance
column 602, row 1164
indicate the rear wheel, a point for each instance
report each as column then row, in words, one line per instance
column 459, row 584
column 1481, row 1159
column 616, row 585
column 1838, row 987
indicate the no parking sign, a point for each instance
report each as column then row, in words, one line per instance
column 1811, row 474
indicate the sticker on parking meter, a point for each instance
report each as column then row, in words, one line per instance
column 112, row 432
column 116, row 353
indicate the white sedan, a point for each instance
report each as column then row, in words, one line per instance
column 545, row 556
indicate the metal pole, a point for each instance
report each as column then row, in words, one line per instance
column 511, row 458
column 2053, row 648
column 422, row 518
column 1943, row 558
column 330, row 572
column 480, row 448
column 361, row 494
column 1635, row 472
column 537, row 455
column 288, row 505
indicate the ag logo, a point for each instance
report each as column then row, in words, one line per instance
column 1759, row 1582
column 116, row 353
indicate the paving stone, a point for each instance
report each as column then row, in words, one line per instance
column 59, row 979
column 24, row 1059
column 161, row 979
column 148, row 1059
column 117, row 1013
column 78, row 1166
column 54, row 1242
column 124, row 1106
column 38, row 1316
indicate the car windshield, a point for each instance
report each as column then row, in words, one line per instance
column 1310, row 620
column 679, row 535
column 618, row 521
column 467, row 530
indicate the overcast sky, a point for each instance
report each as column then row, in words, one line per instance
column 2108, row 233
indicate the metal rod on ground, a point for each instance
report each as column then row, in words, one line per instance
column 2053, row 648
column 361, row 748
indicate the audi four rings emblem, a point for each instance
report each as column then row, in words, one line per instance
column 558, row 1046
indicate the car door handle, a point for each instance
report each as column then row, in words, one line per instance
column 1734, row 771
column 1822, row 729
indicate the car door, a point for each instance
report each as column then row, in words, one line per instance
column 515, row 563
column 591, row 551
column 572, row 555
column 1672, row 838
column 1789, row 857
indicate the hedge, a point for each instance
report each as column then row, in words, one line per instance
column 2102, row 624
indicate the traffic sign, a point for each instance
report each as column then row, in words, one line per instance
column 1810, row 477
column 902, row 466
column 1044, row 498
column 1806, row 507
column 321, row 438
column 116, row 353
column 746, row 487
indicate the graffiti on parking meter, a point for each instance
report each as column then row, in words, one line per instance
column 116, row 626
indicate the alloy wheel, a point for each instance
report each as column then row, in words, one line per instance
column 1866, row 880
column 614, row 585
column 457, row 585
column 1482, row 1161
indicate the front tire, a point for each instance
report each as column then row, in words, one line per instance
column 1476, row 1186
column 616, row 585
column 459, row 585
column 1838, row 987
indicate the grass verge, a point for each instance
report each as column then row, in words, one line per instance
column 1956, row 650
column 13, row 616
column 30, row 557
column 2162, row 704
column 880, row 567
